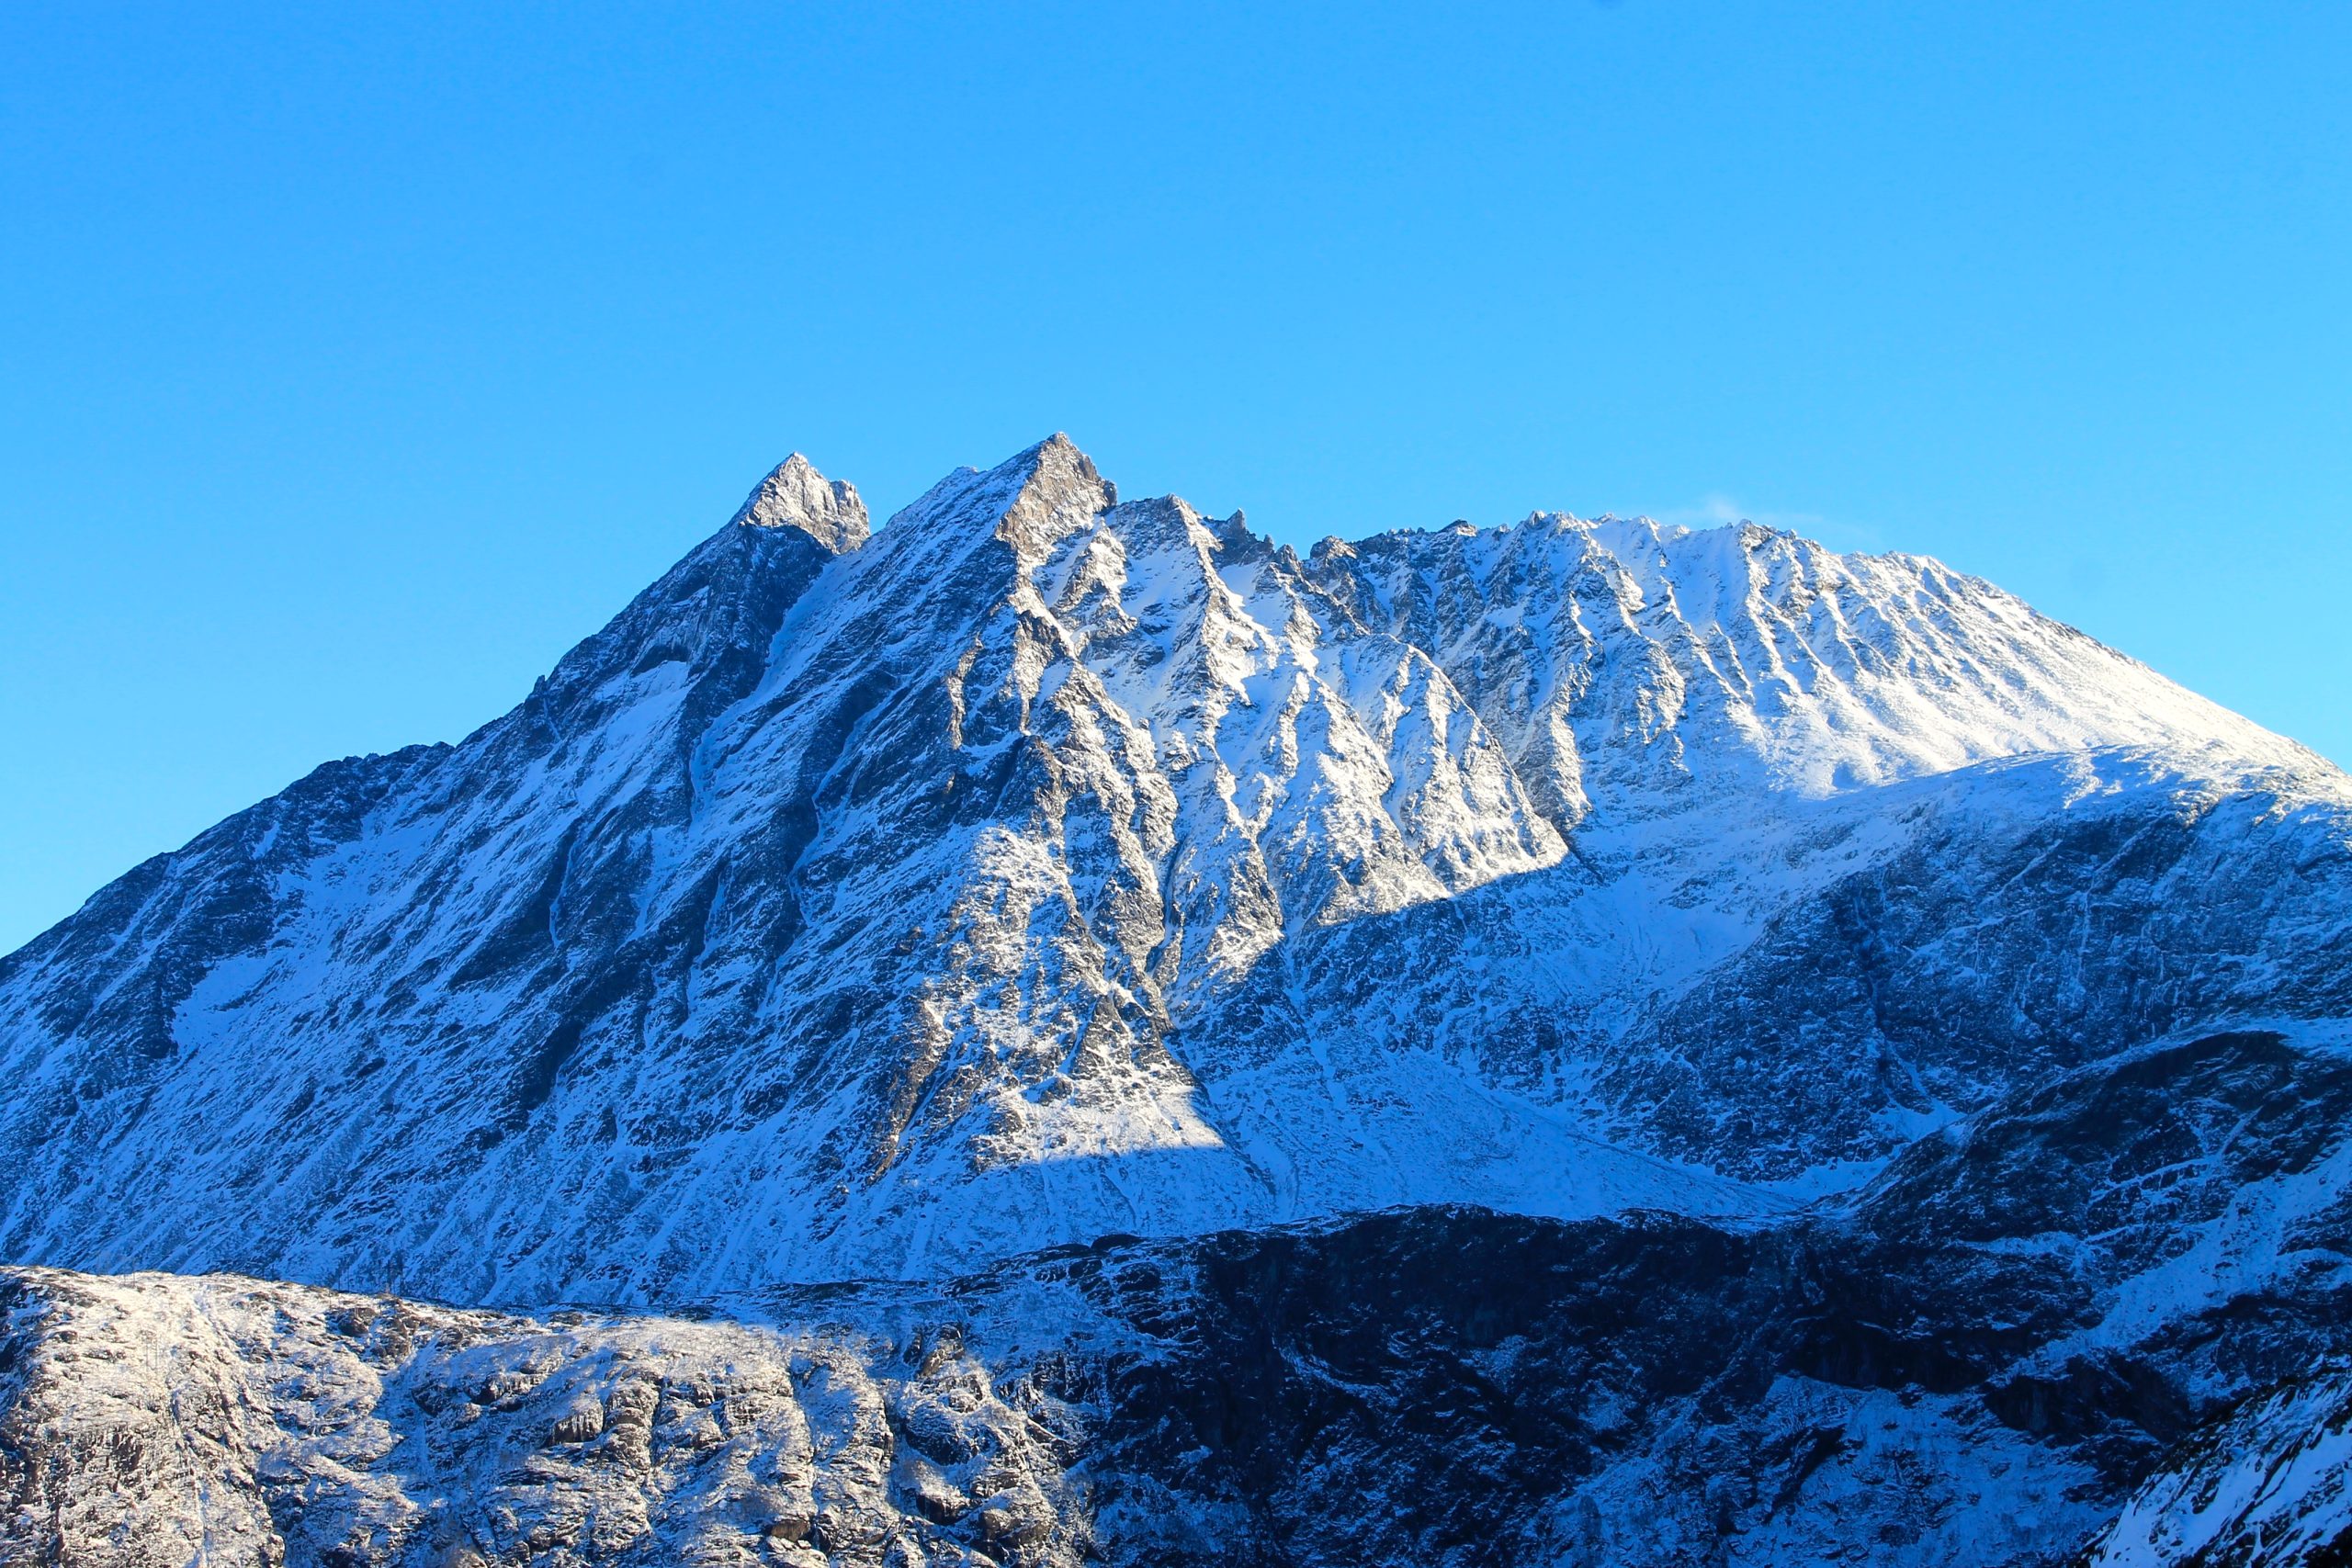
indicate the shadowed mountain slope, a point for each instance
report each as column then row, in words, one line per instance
column 2077, row 1300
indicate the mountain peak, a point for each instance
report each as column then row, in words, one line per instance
column 1031, row 500
column 795, row 495
column 1057, row 487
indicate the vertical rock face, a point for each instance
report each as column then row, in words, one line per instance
column 795, row 495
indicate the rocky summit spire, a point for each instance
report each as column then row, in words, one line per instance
column 1030, row 501
column 1059, row 488
column 795, row 495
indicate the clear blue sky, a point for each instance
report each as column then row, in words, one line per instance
column 359, row 359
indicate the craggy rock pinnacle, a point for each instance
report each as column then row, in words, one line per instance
column 795, row 495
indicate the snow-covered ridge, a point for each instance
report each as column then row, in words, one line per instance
column 1045, row 864
column 1630, row 664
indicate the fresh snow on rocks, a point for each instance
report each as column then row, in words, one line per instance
column 1045, row 865
column 2074, row 1304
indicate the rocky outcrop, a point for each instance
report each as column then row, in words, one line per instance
column 153, row 1419
column 2268, row 1487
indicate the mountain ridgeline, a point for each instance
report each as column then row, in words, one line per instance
column 1578, row 1043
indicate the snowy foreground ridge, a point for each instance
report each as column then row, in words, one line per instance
column 1581, row 1043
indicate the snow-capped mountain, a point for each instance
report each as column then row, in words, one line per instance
column 1044, row 865
column 1584, row 1042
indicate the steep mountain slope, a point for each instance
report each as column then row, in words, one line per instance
column 1974, row 1361
column 2272, row 1484
column 1046, row 865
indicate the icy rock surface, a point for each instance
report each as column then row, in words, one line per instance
column 2072, row 1306
column 2267, row 1488
column 1041, row 865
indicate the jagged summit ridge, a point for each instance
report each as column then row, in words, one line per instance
column 1026, row 503
column 1049, row 864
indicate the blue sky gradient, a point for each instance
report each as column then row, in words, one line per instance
column 360, row 361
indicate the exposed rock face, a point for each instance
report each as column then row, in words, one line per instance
column 795, row 495
column 1579, row 1042
column 2271, row 1485
column 1975, row 1361
column 159, row 1420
